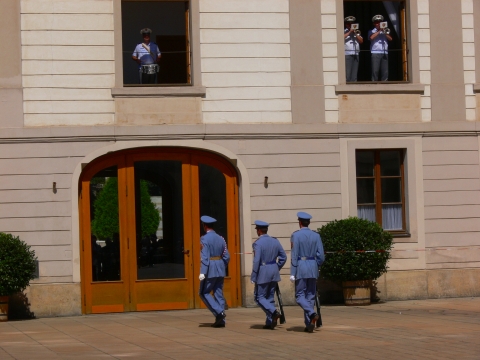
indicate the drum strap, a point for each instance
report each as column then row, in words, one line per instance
column 146, row 47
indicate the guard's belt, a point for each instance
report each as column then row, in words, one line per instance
column 269, row 262
column 306, row 258
column 216, row 258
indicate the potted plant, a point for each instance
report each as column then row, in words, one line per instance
column 17, row 268
column 356, row 252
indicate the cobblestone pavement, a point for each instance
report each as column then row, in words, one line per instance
column 417, row 329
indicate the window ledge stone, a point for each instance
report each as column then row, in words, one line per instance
column 380, row 88
column 400, row 234
column 157, row 91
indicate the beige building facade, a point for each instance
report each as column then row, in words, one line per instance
column 267, row 95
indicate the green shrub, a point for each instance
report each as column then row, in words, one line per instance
column 343, row 237
column 17, row 264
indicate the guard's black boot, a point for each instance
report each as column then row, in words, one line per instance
column 220, row 320
column 313, row 322
column 275, row 317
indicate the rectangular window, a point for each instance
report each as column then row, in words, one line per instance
column 383, row 57
column 165, row 58
column 380, row 188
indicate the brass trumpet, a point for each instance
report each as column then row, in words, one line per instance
column 384, row 28
column 356, row 30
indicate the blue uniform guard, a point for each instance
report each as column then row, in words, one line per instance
column 215, row 258
column 266, row 272
column 306, row 257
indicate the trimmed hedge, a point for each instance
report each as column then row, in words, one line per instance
column 353, row 234
column 17, row 264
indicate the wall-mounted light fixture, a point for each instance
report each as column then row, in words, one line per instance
column 265, row 182
column 54, row 187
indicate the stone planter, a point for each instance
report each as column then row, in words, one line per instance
column 3, row 308
column 356, row 292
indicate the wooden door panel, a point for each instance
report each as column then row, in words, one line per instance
column 107, row 297
column 162, row 295
column 130, row 293
column 103, row 296
column 232, row 281
column 169, row 293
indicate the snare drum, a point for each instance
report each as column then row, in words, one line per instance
column 150, row 69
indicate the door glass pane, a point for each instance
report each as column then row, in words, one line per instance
column 365, row 191
column 390, row 163
column 365, row 162
column 213, row 197
column 159, row 220
column 105, row 236
column 391, row 190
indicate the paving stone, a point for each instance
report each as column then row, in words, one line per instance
column 427, row 329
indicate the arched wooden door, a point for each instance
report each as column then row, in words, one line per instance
column 140, row 228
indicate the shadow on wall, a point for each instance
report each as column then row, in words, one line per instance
column 375, row 294
column 19, row 308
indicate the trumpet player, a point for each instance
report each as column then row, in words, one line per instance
column 353, row 39
column 379, row 37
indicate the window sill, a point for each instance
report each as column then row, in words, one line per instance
column 380, row 88
column 157, row 91
column 400, row 234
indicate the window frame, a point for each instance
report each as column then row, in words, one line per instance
column 194, row 89
column 476, row 14
column 377, row 176
column 411, row 85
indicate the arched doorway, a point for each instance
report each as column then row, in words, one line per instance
column 140, row 228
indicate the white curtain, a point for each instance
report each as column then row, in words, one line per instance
column 366, row 212
column 392, row 217
column 392, row 10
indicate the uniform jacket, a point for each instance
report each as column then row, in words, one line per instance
column 267, row 249
column 213, row 245
column 306, row 243
column 144, row 55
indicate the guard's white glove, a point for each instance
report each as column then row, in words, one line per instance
column 292, row 278
column 253, row 282
column 201, row 277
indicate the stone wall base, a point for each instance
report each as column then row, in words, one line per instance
column 46, row 300
column 394, row 285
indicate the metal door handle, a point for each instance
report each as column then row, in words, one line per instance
column 186, row 252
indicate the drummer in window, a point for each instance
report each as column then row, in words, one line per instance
column 147, row 55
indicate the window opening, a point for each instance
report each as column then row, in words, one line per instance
column 383, row 58
column 169, row 25
column 380, row 188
